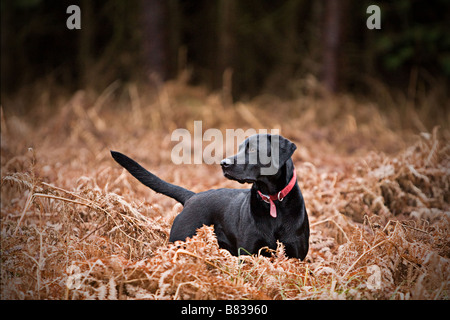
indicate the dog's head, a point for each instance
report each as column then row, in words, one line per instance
column 258, row 156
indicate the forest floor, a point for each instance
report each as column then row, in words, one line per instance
column 75, row 225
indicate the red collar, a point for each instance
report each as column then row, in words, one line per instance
column 279, row 196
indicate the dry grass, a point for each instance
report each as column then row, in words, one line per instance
column 76, row 226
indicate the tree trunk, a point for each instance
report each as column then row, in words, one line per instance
column 225, row 47
column 85, row 43
column 155, row 44
column 332, row 44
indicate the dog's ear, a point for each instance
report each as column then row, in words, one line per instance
column 285, row 150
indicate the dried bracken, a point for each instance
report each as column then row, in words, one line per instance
column 76, row 226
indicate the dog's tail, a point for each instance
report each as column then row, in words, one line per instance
column 150, row 180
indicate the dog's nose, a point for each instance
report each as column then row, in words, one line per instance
column 225, row 162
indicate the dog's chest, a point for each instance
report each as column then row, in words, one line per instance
column 254, row 237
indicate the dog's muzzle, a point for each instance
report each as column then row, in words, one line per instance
column 226, row 163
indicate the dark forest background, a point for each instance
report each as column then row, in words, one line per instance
column 252, row 46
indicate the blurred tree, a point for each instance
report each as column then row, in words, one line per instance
column 332, row 37
column 226, row 37
column 266, row 45
column 155, row 37
column 85, row 43
column 416, row 35
column 5, row 9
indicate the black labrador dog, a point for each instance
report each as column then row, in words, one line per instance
column 247, row 219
